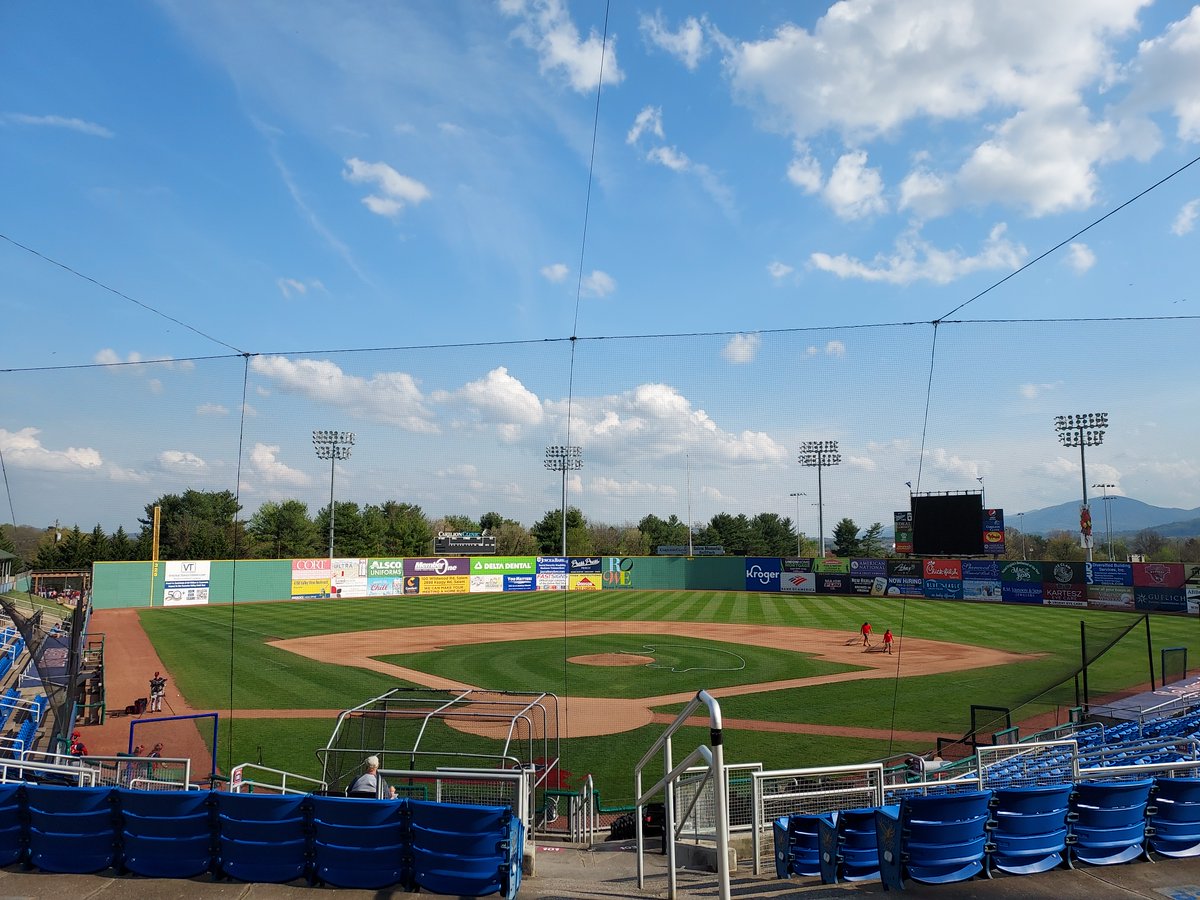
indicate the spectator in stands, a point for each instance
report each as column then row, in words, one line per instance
column 139, row 749
column 158, row 689
column 367, row 784
column 77, row 747
column 156, row 753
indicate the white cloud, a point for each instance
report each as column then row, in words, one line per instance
column 611, row 487
column 392, row 398
column 265, row 463
column 498, row 397
column 853, row 190
column 778, row 270
column 23, row 450
column 1032, row 391
column 952, row 464
column 835, row 348
column 394, row 190
column 289, row 286
column 742, row 348
column 181, row 461
column 863, row 463
column 555, row 272
column 546, row 27
column 687, row 44
column 598, row 284
column 1166, row 72
column 212, row 409
column 72, row 124
column 451, row 129
column 804, row 170
column 1080, row 257
column 671, row 157
column 917, row 260
column 649, row 119
column 1185, row 221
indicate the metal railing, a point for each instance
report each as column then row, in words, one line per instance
column 121, row 771
column 32, row 770
column 713, row 756
column 239, row 783
column 694, row 791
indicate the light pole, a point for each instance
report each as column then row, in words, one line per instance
column 820, row 454
column 1107, row 516
column 799, row 552
column 332, row 445
column 982, row 492
column 1082, row 430
column 1021, row 516
column 564, row 458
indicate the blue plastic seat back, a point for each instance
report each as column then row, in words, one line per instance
column 462, row 875
column 943, row 837
column 798, row 850
column 262, row 837
column 167, row 834
column 364, row 844
column 465, row 849
column 13, row 813
column 1110, row 825
column 1031, row 799
column 72, row 829
column 1177, row 790
column 858, row 844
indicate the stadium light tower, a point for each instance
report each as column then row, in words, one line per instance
column 1021, row 516
column 799, row 552
column 1107, row 516
column 1083, row 430
column 332, row 445
column 820, row 454
column 564, row 458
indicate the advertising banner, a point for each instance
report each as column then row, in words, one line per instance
column 832, row 565
column 1021, row 592
column 942, row 570
column 905, row 586
column 762, row 573
column 556, row 564
column 943, row 589
column 1146, row 599
column 796, row 564
column 1113, row 573
column 1193, row 600
column 186, row 582
column 981, row 580
column 584, row 581
column 438, row 565
column 798, row 582
column 1021, row 572
column 1158, row 575
column 833, row 584
column 519, row 583
column 868, row 586
column 310, row 578
column 868, row 567
column 349, row 578
column 1063, row 573
column 1104, row 596
column 577, row 565
column 1065, row 595
column 552, row 581
column 504, row 565
column 487, row 584
column 993, row 531
column 386, row 587
column 412, row 584
column 904, row 530
column 445, row 584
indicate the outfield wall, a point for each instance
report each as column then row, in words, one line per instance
column 1144, row 587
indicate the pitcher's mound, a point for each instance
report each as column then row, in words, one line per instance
column 611, row 659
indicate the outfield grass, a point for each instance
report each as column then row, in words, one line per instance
column 680, row 663
column 204, row 648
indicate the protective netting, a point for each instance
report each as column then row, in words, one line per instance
column 1174, row 664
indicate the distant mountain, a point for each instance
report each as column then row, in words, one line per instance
column 1129, row 516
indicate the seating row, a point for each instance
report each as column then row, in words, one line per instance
column 1019, row 830
column 8, row 702
column 369, row 844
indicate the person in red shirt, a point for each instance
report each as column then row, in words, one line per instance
column 865, row 631
column 887, row 640
column 77, row 747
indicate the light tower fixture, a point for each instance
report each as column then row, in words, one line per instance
column 820, row 454
column 799, row 552
column 332, row 445
column 564, row 458
column 1107, row 516
column 1083, row 430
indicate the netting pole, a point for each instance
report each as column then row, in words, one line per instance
column 1083, row 654
column 1149, row 650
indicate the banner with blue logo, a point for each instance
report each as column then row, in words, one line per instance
column 762, row 573
column 520, row 582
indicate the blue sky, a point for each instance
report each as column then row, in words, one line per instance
column 289, row 180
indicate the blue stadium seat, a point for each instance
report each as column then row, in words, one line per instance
column 467, row 850
column 167, row 834
column 71, row 829
column 1174, row 817
column 361, row 843
column 849, row 845
column 1029, row 828
column 797, row 844
column 1108, row 821
column 13, row 813
column 935, row 839
column 262, row 837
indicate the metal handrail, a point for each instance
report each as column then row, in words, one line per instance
column 237, row 780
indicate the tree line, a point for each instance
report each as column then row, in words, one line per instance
column 209, row 525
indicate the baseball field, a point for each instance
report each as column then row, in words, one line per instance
column 796, row 686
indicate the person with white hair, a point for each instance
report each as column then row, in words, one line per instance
column 367, row 784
